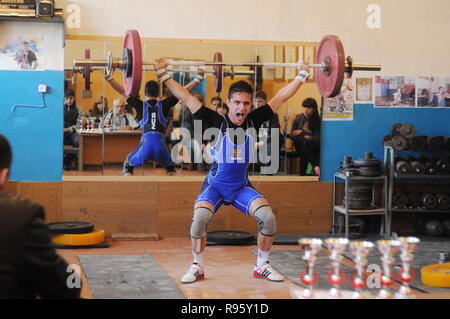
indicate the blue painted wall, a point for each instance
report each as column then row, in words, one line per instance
column 369, row 126
column 35, row 131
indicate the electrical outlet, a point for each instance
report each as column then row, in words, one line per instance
column 42, row 88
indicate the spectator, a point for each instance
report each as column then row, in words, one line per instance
column 29, row 265
column 305, row 133
column 118, row 118
column 99, row 109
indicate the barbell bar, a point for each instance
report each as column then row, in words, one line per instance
column 329, row 72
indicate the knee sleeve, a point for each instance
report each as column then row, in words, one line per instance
column 266, row 220
column 200, row 221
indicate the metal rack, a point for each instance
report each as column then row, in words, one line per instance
column 344, row 209
column 389, row 162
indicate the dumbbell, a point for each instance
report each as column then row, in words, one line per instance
column 429, row 165
column 443, row 201
column 414, row 200
column 429, row 201
column 432, row 227
column 400, row 200
column 402, row 167
column 443, row 166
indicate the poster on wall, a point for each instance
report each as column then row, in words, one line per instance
column 340, row 108
column 433, row 91
column 22, row 53
column 363, row 90
column 395, row 91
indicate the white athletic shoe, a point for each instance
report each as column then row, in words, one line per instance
column 267, row 272
column 194, row 273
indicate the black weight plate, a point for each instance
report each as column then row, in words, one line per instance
column 230, row 237
column 362, row 162
column 71, row 228
column 417, row 168
column 407, row 131
column 418, row 143
column 387, row 140
column 430, row 201
column 105, row 244
column 430, row 168
column 436, row 143
column 370, row 171
column 399, row 143
column 443, row 201
column 400, row 200
column 414, row 200
column 443, row 166
column 402, row 167
column 395, row 129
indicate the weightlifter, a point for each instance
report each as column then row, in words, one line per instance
column 227, row 182
column 153, row 116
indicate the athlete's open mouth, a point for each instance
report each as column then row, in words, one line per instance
column 240, row 115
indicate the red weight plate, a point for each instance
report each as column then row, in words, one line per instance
column 218, row 73
column 87, row 71
column 132, row 84
column 330, row 47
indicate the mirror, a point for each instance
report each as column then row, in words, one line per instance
column 107, row 140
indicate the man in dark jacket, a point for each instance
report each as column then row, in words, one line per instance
column 71, row 115
column 29, row 264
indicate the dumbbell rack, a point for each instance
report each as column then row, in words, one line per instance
column 389, row 162
column 344, row 209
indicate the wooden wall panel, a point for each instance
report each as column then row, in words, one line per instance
column 117, row 207
column 166, row 208
column 48, row 194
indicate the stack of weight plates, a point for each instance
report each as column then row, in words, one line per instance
column 368, row 166
column 77, row 235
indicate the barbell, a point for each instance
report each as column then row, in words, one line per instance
column 329, row 72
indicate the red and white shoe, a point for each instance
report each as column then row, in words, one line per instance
column 194, row 273
column 267, row 272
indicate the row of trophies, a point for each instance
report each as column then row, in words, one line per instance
column 91, row 123
column 360, row 250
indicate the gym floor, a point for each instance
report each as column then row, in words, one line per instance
column 227, row 267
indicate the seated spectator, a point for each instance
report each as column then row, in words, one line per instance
column 99, row 109
column 215, row 102
column 72, row 114
column 118, row 119
column 30, row 268
column 305, row 133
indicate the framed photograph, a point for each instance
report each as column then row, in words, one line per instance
column 363, row 90
column 395, row 91
column 433, row 91
column 279, row 58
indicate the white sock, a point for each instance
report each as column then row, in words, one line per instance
column 198, row 258
column 263, row 257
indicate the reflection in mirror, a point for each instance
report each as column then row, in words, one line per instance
column 110, row 130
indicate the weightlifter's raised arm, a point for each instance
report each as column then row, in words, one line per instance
column 289, row 90
column 177, row 90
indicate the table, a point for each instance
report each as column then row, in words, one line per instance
column 97, row 147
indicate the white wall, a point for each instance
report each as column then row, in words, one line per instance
column 413, row 38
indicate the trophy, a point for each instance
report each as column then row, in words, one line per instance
column 336, row 277
column 360, row 250
column 311, row 247
column 388, row 248
column 406, row 272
